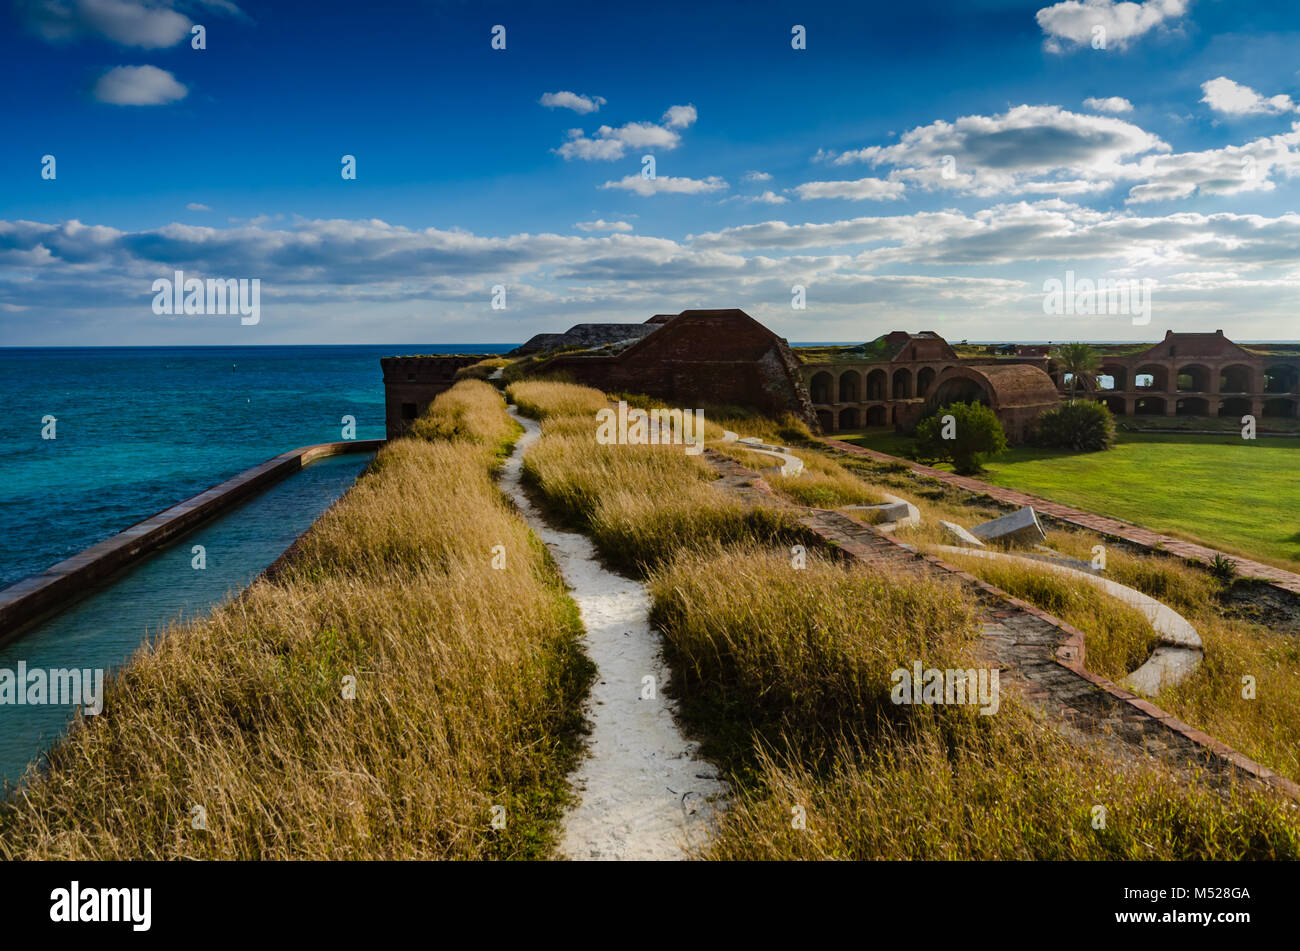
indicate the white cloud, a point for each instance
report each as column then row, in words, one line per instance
column 1075, row 22
column 874, row 189
column 768, row 197
column 571, row 100
column 138, row 86
column 1115, row 104
column 148, row 24
column 613, row 143
column 667, row 185
column 1231, row 98
column 757, row 177
column 1041, row 149
column 196, row 206
column 600, row 224
column 680, row 117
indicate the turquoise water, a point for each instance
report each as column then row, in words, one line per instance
column 139, row 428
column 103, row 630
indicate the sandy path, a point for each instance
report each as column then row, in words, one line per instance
column 643, row 787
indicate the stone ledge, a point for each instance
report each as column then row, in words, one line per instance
column 37, row 595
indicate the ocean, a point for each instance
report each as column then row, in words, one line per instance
column 140, row 428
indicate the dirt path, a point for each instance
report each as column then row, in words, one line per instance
column 644, row 790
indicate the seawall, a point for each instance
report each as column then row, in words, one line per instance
column 37, row 595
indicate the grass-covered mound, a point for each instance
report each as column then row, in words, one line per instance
column 468, row 689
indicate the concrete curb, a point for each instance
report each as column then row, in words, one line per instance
column 61, row 584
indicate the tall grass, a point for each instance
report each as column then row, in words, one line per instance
column 468, row 689
column 639, row 503
column 786, row 674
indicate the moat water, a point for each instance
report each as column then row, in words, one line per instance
column 106, row 628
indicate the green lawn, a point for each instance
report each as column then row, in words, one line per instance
column 1223, row 491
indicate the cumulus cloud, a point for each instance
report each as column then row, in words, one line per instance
column 138, row 86
column 196, row 206
column 1115, row 104
column 1234, row 99
column 600, row 224
column 611, row 142
column 680, row 117
column 1218, row 262
column 1076, row 22
column 1028, row 148
column 757, row 177
column 874, row 189
column 571, row 100
column 147, row 24
column 768, row 197
column 666, row 184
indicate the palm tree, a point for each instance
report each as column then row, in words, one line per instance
column 1081, row 362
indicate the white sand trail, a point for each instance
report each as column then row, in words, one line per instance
column 644, row 790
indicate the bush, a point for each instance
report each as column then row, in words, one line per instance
column 976, row 434
column 1081, row 425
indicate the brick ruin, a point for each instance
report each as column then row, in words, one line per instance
column 1200, row 374
column 726, row 357
column 411, row 383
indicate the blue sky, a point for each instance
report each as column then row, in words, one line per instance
column 917, row 165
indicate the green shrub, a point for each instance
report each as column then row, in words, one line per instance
column 1081, row 425
column 976, row 434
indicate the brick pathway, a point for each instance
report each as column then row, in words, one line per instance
column 1115, row 528
column 1037, row 652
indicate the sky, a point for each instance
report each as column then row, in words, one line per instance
column 918, row 165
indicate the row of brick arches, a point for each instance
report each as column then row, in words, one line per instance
column 855, row 386
column 1235, row 406
column 1199, row 378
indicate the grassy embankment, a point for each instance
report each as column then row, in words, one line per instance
column 469, row 684
column 1221, row 491
column 1237, row 643
column 784, row 674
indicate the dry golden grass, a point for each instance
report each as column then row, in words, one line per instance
column 785, row 674
column 543, row 398
column 807, row 645
column 469, row 684
column 639, row 503
column 1266, row 728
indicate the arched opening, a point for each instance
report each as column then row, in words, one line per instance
column 1280, row 379
column 1149, row 406
column 924, row 379
column 849, row 380
column 1235, row 379
column 826, row 420
column 1194, row 378
column 1151, row 377
column 1282, row 408
column 848, row 418
column 1113, row 403
column 1236, row 406
column 1112, row 378
column 820, row 387
column 902, row 384
column 877, row 416
column 958, row 390
column 1192, row 406
column 877, row 380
